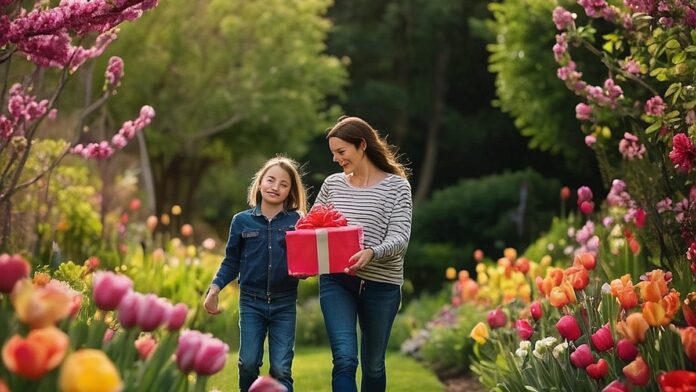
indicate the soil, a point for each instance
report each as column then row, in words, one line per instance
column 462, row 383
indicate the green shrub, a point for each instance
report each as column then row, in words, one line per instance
column 554, row 241
column 310, row 330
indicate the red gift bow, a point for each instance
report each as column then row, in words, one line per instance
column 321, row 216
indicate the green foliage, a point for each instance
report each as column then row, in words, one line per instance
column 481, row 212
column 554, row 241
column 526, row 87
column 310, row 329
column 449, row 350
column 425, row 261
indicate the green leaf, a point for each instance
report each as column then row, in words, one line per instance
column 529, row 388
column 690, row 49
column 657, row 71
column 653, row 127
column 673, row 44
column 679, row 58
column 608, row 47
column 672, row 89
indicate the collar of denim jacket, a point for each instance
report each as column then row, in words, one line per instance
column 257, row 211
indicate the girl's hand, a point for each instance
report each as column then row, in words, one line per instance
column 359, row 260
column 211, row 301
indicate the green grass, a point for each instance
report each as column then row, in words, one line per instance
column 311, row 370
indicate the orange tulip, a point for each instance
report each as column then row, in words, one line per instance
column 654, row 314
column 41, row 306
column 510, row 254
column 689, row 309
column 634, row 328
column 688, row 338
column 41, row 279
column 578, row 277
column 41, row 351
column 478, row 255
column 586, row 260
column 3, row 386
column 562, row 295
column 655, row 287
column 671, row 304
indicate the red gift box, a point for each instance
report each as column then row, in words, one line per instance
column 322, row 243
column 323, row 250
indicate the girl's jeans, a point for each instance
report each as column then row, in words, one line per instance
column 257, row 316
column 346, row 300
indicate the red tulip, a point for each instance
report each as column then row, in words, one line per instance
column 615, row 386
column 637, row 372
column 598, row 370
column 267, row 384
column 524, row 329
column 40, row 352
column 688, row 338
column 627, row 350
column 568, row 328
column 109, row 288
column 578, row 276
column 535, row 310
column 581, row 357
column 12, row 269
column 602, row 340
column 496, row 318
column 586, row 260
column 677, row 381
column 689, row 309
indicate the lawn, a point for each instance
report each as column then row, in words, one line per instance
column 312, row 373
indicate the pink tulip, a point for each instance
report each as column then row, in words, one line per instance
column 153, row 312
column 129, row 308
column 189, row 344
column 177, row 317
column 568, row 328
column 108, row 335
column 12, row 268
column 535, row 310
column 524, row 329
column 581, row 357
column 211, row 356
column 267, row 384
column 496, row 318
column 615, row 386
column 627, row 350
column 145, row 345
column 109, row 289
column 602, row 340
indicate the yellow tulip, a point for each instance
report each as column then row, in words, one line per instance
column 451, row 273
column 510, row 254
column 89, row 370
column 482, row 279
column 479, row 333
column 480, row 268
column 41, row 306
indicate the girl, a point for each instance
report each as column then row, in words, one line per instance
column 372, row 191
column 256, row 253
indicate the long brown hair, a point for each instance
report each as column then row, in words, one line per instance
column 355, row 130
column 297, row 198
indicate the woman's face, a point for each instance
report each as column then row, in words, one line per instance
column 275, row 185
column 345, row 154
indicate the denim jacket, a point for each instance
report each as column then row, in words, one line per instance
column 256, row 252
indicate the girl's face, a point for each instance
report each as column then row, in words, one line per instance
column 275, row 185
column 345, row 154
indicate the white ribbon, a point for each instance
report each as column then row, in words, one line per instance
column 323, row 250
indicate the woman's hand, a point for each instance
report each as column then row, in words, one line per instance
column 359, row 260
column 211, row 301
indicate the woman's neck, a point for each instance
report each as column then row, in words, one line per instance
column 366, row 176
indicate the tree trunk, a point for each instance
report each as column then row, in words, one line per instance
column 401, row 80
column 427, row 171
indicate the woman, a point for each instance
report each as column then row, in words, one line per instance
column 373, row 192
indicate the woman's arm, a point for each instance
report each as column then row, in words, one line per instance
column 399, row 226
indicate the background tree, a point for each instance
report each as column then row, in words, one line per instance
column 234, row 79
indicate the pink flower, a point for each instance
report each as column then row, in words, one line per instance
column 177, row 317
column 630, row 148
column 129, row 308
column 153, row 312
column 631, row 66
column 524, row 329
column 114, row 72
column 267, row 384
column 626, row 350
column 496, row 318
column 189, row 344
column 535, row 310
column 590, row 140
column 145, row 345
column 581, row 357
column 108, row 335
column 12, row 269
column 211, row 356
column 602, row 340
column 109, row 289
column 683, row 153
column 655, row 106
column 583, row 111
column 568, row 328
column 615, row 386
column 563, row 18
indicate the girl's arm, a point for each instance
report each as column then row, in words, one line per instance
column 399, row 227
column 229, row 269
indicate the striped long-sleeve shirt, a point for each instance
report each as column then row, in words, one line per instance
column 384, row 212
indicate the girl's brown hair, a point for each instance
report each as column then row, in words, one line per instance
column 297, row 198
column 355, row 130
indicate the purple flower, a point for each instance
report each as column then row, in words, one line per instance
column 109, row 289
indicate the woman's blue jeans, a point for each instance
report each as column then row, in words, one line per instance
column 347, row 300
column 258, row 316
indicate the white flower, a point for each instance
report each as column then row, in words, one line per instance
column 560, row 349
column 525, row 345
column 521, row 353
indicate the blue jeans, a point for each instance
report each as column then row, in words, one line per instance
column 258, row 316
column 345, row 301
